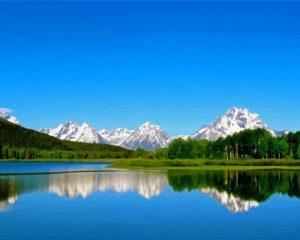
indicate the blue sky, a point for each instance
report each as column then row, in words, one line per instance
column 179, row 65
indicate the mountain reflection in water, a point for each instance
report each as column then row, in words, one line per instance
column 237, row 190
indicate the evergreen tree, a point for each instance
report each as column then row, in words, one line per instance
column 263, row 148
column 140, row 152
column 298, row 152
column 283, row 148
column 1, row 155
column 273, row 147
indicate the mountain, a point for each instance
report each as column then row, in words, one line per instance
column 116, row 137
column 148, row 136
column 72, row 131
column 37, row 144
column 5, row 114
column 151, row 137
column 234, row 120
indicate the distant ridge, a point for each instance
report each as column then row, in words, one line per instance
column 150, row 136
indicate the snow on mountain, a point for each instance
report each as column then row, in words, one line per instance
column 148, row 136
column 235, row 120
column 282, row 133
column 117, row 136
column 5, row 114
column 74, row 132
column 151, row 137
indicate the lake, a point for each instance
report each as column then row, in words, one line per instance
column 87, row 201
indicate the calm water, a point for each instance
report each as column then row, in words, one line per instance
column 146, row 205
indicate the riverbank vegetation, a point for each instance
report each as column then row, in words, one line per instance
column 206, row 164
column 248, row 144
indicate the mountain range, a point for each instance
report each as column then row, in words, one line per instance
column 150, row 136
column 147, row 136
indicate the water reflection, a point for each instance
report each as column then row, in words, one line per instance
column 233, row 203
column 237, row 190
column 71, row 185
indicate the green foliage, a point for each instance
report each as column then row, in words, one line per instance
column 186, row 149
column 199, row 149
column 140, row 152
column 263, row 148
column 17, row 142
column 298, row 152
column 208, row 163
column 247, row 144
column 283, row 148
column 161, row 153
column 248, row 185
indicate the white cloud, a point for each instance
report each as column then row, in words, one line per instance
column 5, row 112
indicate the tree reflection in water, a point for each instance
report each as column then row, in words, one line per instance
column 237, row 190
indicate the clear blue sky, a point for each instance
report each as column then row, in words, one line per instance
column 179, row 65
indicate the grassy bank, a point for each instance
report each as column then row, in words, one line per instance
column 182, row 164
column 207, row 164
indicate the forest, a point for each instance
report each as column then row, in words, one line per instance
column 17, row 142
column 248, row 144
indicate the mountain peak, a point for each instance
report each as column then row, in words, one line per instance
column 234, row 120
column 69, row 123
column 233, row 110
column 147, row 125
column 147, row 136
column 86, row 125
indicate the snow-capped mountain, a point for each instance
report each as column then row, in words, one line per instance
column 235, row 120
column 74, row 132
column 5, row 114
column 117, row 136
column 151, row 137
column 148, row 136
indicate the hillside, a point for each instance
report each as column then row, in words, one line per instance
column 20, row 142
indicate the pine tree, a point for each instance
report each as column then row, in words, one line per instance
column 298, row 152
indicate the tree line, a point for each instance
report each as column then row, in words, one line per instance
column 255, row 144
column 17, row 142
column 11, row 152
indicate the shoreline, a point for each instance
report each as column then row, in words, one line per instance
column 182, row 164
